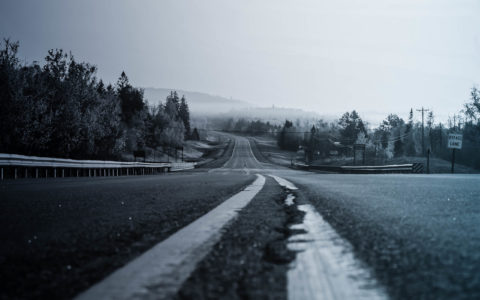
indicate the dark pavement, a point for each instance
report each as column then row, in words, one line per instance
column 59, row 236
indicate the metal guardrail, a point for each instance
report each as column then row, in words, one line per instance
column 82, row 167
column 403, row 168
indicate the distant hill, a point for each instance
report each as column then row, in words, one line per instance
column 274, row 115
column 199, row 103
column 205, row 105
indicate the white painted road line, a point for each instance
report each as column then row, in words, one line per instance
column 285, row 183
column 325, row 267
column 253, row 155
column 233, row 154
column 159, row 272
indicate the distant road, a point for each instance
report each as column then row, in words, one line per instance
column 419, row 235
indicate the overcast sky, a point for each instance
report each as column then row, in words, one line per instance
column 376, row 56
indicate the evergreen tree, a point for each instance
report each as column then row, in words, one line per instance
column 184, row 114
column 350, row 126
column 172, row 105
column 287, row 139
column 131, row 99
column 195, row 135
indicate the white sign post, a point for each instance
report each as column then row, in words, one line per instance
column 454, row 142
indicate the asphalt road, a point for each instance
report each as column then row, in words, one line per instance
column 419, row 235
column 59, row 236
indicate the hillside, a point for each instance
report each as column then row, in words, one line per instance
column 199, row 103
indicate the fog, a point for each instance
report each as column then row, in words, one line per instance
column 324, row 56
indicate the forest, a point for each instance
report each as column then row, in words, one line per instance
column 393, row 138
column 61, row 109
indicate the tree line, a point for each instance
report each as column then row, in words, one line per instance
column 62, row 109
column 394, row 137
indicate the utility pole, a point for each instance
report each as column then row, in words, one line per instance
column 423, row 110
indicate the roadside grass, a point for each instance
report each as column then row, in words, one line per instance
column 437, row 165
column 268, row 151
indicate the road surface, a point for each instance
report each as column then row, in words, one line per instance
column 381, row 236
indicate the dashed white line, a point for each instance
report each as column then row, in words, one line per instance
column 285, row 183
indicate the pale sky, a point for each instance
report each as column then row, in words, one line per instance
column 376, row 56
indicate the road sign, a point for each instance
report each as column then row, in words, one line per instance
column 455, row 141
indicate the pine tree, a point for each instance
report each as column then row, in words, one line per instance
column 410, row 143
column 131, row 99
column 195, row 135
column 184, row 114
column 172, row 105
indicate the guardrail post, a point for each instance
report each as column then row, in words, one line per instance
column 26, row 172
column 46, row 172
column 77, row 172
column 36, row 172
column 2, row 173
column 54, row 172
column 63, row 172
column 15, row 173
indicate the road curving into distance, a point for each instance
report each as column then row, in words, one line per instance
column 409, row 236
